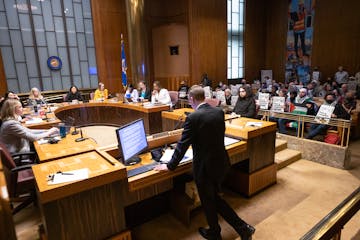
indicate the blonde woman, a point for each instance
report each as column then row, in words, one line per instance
column 15, row 136
column 35, row 97
column 101, row 93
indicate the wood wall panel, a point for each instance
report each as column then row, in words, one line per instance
column 3, row 83
column 275, row 41
column 208, row 40
column 336, row 36
column 254, row 38
column 109, row 21
column 172, row 83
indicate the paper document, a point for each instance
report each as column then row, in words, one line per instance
column 69, row 176
column 33, row 121
column 166, row 157
column 254, row 124
column 229, row 141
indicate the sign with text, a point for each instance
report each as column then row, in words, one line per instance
column 278, row 104
column 324, row 114
column 264, row 99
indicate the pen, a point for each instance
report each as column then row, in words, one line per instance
column 64, row 173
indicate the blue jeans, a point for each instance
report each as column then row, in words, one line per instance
column 316, row 129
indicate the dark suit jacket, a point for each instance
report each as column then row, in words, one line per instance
column 204, row 129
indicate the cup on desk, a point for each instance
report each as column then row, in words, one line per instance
column 62, row 130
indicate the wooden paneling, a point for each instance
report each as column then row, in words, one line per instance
column 3, row 83
column 172, row 83
column 275, row 43
column 208, row 40
column 254, row 38
column 109, row 21
column 336, row 36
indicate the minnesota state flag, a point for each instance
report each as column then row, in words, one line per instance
column 123, row 63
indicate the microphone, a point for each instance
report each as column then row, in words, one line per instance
column 179, row 121
column 75, row 132
column 81, row 138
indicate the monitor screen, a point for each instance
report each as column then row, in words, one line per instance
column 132, row 141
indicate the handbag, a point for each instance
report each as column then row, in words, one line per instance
column 332, row 138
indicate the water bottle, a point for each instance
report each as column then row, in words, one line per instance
column 62, row 130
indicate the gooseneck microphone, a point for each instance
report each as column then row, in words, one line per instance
column 75, row 132
column 81, row 138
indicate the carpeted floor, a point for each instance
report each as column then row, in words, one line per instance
column 305, row 193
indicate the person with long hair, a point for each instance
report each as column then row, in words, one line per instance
column 101, row 93
column 35, row 97
column 73, row 94
column 13, row 134
column 245, row 105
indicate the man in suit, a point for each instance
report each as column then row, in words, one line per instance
column 204, row 130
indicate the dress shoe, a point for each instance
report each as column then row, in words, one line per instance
column 246, row 232
column 205, row 233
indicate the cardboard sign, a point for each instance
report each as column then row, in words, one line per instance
column 264, row 99
column 278, row 104
column 324, row 114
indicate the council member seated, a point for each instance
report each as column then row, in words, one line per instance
column 245, row 105
column 73, row 94
column 101, row 93
column 8, row 95
column 15, row 136
column 35, row 97
column 131, row 93
column 160, row 95
column 144, row 91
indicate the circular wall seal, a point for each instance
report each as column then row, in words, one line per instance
column 54, row 63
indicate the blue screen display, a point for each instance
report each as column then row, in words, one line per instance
column 132, row 139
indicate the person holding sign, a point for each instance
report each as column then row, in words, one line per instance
column 338, row 111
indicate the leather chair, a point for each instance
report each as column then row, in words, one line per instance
column 214, row 102
column 19, row 177
column 174, row 96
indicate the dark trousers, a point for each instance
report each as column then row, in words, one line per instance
column 302, row 41
column 213, row 204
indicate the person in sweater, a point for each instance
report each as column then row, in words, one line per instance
column 15, row 136
column 245, row 105
column 73, row 94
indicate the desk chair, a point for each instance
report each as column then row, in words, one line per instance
column 214, row 102
column 174, row 96
column 19, row 177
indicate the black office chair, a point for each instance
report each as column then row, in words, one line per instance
column 19, row 177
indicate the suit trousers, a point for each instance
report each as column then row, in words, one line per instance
column 213, row 204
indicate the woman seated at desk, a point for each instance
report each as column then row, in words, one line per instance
column 160, row 95
column 245, row 105
column 73, row 94
column 131, row 93
column 101, row 93
column 15, row 136
column 35, row 97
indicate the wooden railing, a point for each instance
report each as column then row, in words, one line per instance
column 330, row 226
column 343, row 126
column 58, row 95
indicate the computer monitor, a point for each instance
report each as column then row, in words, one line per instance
column 132, row 141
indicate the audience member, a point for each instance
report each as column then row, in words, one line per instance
column 73, row 94
column 15, row 136
column 101, row 93
column 35, row 97
column 205, row 81
column 183, row 90
column 245, row 105
column 339, row 112
column 341, row 76
column 160, row 94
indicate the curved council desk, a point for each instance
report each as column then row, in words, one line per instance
column 113, row 113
